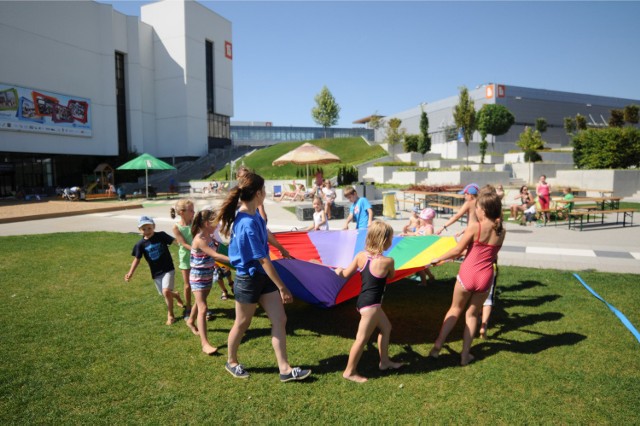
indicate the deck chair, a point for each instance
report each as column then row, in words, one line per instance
column 298, row 195
column 277, row 191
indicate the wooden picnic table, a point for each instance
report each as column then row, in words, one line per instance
column 424, row 199
column 602, row 192
column 601, row 203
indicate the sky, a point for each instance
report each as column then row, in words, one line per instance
column 384, row 57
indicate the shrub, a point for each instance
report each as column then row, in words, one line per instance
column 411, row 143
column 395, row 163
column 609, row 148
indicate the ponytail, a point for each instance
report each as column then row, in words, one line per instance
column 202, row 217
column 498, row 226
column 248, row 186
column 228, row 210
column 491, row 204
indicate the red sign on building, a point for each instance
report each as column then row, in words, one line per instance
column 228, row 50
column 501, row 90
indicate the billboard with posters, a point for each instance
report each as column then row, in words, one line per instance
column 29, row 110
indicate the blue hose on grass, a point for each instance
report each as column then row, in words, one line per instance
column 619, row 314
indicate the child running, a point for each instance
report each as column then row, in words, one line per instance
column 204, row 255
column 376, row 269
column 256, row 278
column 182, row 232
column 154, row 247
column 482, row 240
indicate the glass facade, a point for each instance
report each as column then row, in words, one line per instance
column 269, row 135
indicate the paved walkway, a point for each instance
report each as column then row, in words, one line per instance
column 555, row 247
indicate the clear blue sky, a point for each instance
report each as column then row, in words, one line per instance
column 387, row 57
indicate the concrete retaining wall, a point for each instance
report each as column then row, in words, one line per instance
column 623, row 183
column 530, row 172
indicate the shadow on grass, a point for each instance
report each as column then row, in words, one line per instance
column 417, row 314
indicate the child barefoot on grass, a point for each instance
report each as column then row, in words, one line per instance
column 182, row 233
column 375, row 269
column 154, row 247
column 482, row 240
column 204, row 255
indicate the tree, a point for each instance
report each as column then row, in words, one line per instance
column 464, row 115
column 394, row 134
column 530, row 142
column 327, row 111
column 541, row 124
column 616, row 119
column 495, row 120
column 424, row 144
column 375, row 123
column 569, row 125
column 581, row 122
column 411, row 143
column 631, row 114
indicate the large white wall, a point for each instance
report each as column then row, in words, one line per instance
column 180, row 80
column 66, row 48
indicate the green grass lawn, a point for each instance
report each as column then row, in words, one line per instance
column 351, row 151
column 79, row 345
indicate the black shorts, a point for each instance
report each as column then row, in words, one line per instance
column 248, row 289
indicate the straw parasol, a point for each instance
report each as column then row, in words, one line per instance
column 307, row 154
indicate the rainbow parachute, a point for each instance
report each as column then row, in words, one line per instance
column 310, row 275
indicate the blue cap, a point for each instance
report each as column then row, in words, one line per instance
column 472, row 189
column 145, row 220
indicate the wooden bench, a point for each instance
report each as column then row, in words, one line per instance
column 404, row 200
column 103, row 196
column 579, row 216
column 442, row 209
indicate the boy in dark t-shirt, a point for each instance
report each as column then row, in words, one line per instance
column 154, row 246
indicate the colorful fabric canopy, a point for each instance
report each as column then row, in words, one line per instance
column 310, row 275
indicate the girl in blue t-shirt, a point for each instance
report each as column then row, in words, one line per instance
column 256, row 278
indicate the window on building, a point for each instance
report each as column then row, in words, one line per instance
column 209, row 77
column 121, row 105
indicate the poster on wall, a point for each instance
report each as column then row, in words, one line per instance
column 29, row 110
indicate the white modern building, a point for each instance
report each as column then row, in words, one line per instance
column 81, row 84
column 526, row 104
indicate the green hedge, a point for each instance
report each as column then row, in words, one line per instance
column 610, row 148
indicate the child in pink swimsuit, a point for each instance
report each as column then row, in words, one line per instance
column 543, row 190
column 482, row 240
